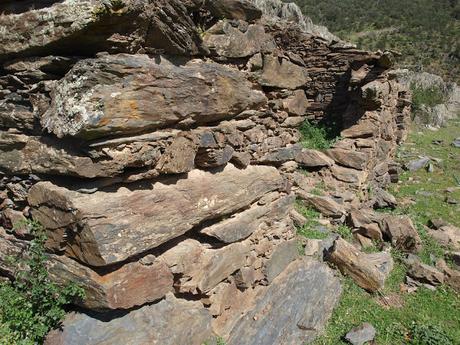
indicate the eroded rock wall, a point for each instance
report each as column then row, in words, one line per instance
column 158, row 144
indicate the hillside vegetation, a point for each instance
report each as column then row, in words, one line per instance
column 426, row 32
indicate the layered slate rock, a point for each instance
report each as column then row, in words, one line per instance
column 98, row 25
column 233, row 9
column 281, row 73
column 170, row 322
column 402, row 233
column 108, row 227
column 229, row 41
column 293, row 309
column 125, row 287
column 246, row 222
column 24, row 154
column 127, row 94
column 134, row 284
column 369, row 271
column 200, row 268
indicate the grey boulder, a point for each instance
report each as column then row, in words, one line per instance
column 169, row 322
column 293, row 309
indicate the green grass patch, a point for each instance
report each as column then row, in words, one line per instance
column 309, row 230
column 424, row 317
column 426, row 96
column 318, row 137
column 422, row 193
column 344, row 231
column 402, row 319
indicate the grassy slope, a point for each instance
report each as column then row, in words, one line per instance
column 439, row 309
column 426, row 31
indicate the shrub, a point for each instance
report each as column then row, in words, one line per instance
column 422, row 334
column 426, row 96
column 32, row 304
column 316, row 137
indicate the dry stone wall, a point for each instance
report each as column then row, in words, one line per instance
column 157, row 142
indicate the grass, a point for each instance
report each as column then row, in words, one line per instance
column 424, row 317
column 308, row 230
column 429, row 97
column 344, row 231
column 394, row 322
column 318, row 137
column 423, row 193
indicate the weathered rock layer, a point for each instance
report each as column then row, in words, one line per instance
column 158, row 143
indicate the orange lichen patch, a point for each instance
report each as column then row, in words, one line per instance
column 120, row 109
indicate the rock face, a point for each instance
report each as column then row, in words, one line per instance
column 171, row 321
column 100, row 26
column 109, row 227
column 158, row 143
column 305, row 304
column 159, row 95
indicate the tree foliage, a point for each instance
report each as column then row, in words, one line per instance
column 426, row 32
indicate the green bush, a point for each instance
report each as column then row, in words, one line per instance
column 32, row 304
column 422, row 334
column 316, row 137
column 428, row 97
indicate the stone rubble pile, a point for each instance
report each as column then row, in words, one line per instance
column 158, row 143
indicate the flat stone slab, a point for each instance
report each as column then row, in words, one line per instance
column 361, row 335
column 293, row 309
column 110, row 226
column 169, row 322
column 127, row 94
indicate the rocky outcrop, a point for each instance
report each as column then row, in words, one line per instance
column 306, row 307
column 171, row 321
column 446, row 94
column 158, row 142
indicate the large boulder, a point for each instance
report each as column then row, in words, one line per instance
column 126, row 94
column 402, row 233
column 125, row 287
column 233, row 9
column 110, row 226
column 86, row 27
column 293, row 309
column 169, row 322
column 369, row 271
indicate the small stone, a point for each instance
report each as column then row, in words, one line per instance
column 456, row 143
column 361, row 334
column 425, row 274
column 417, row 164
column 451, row 201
